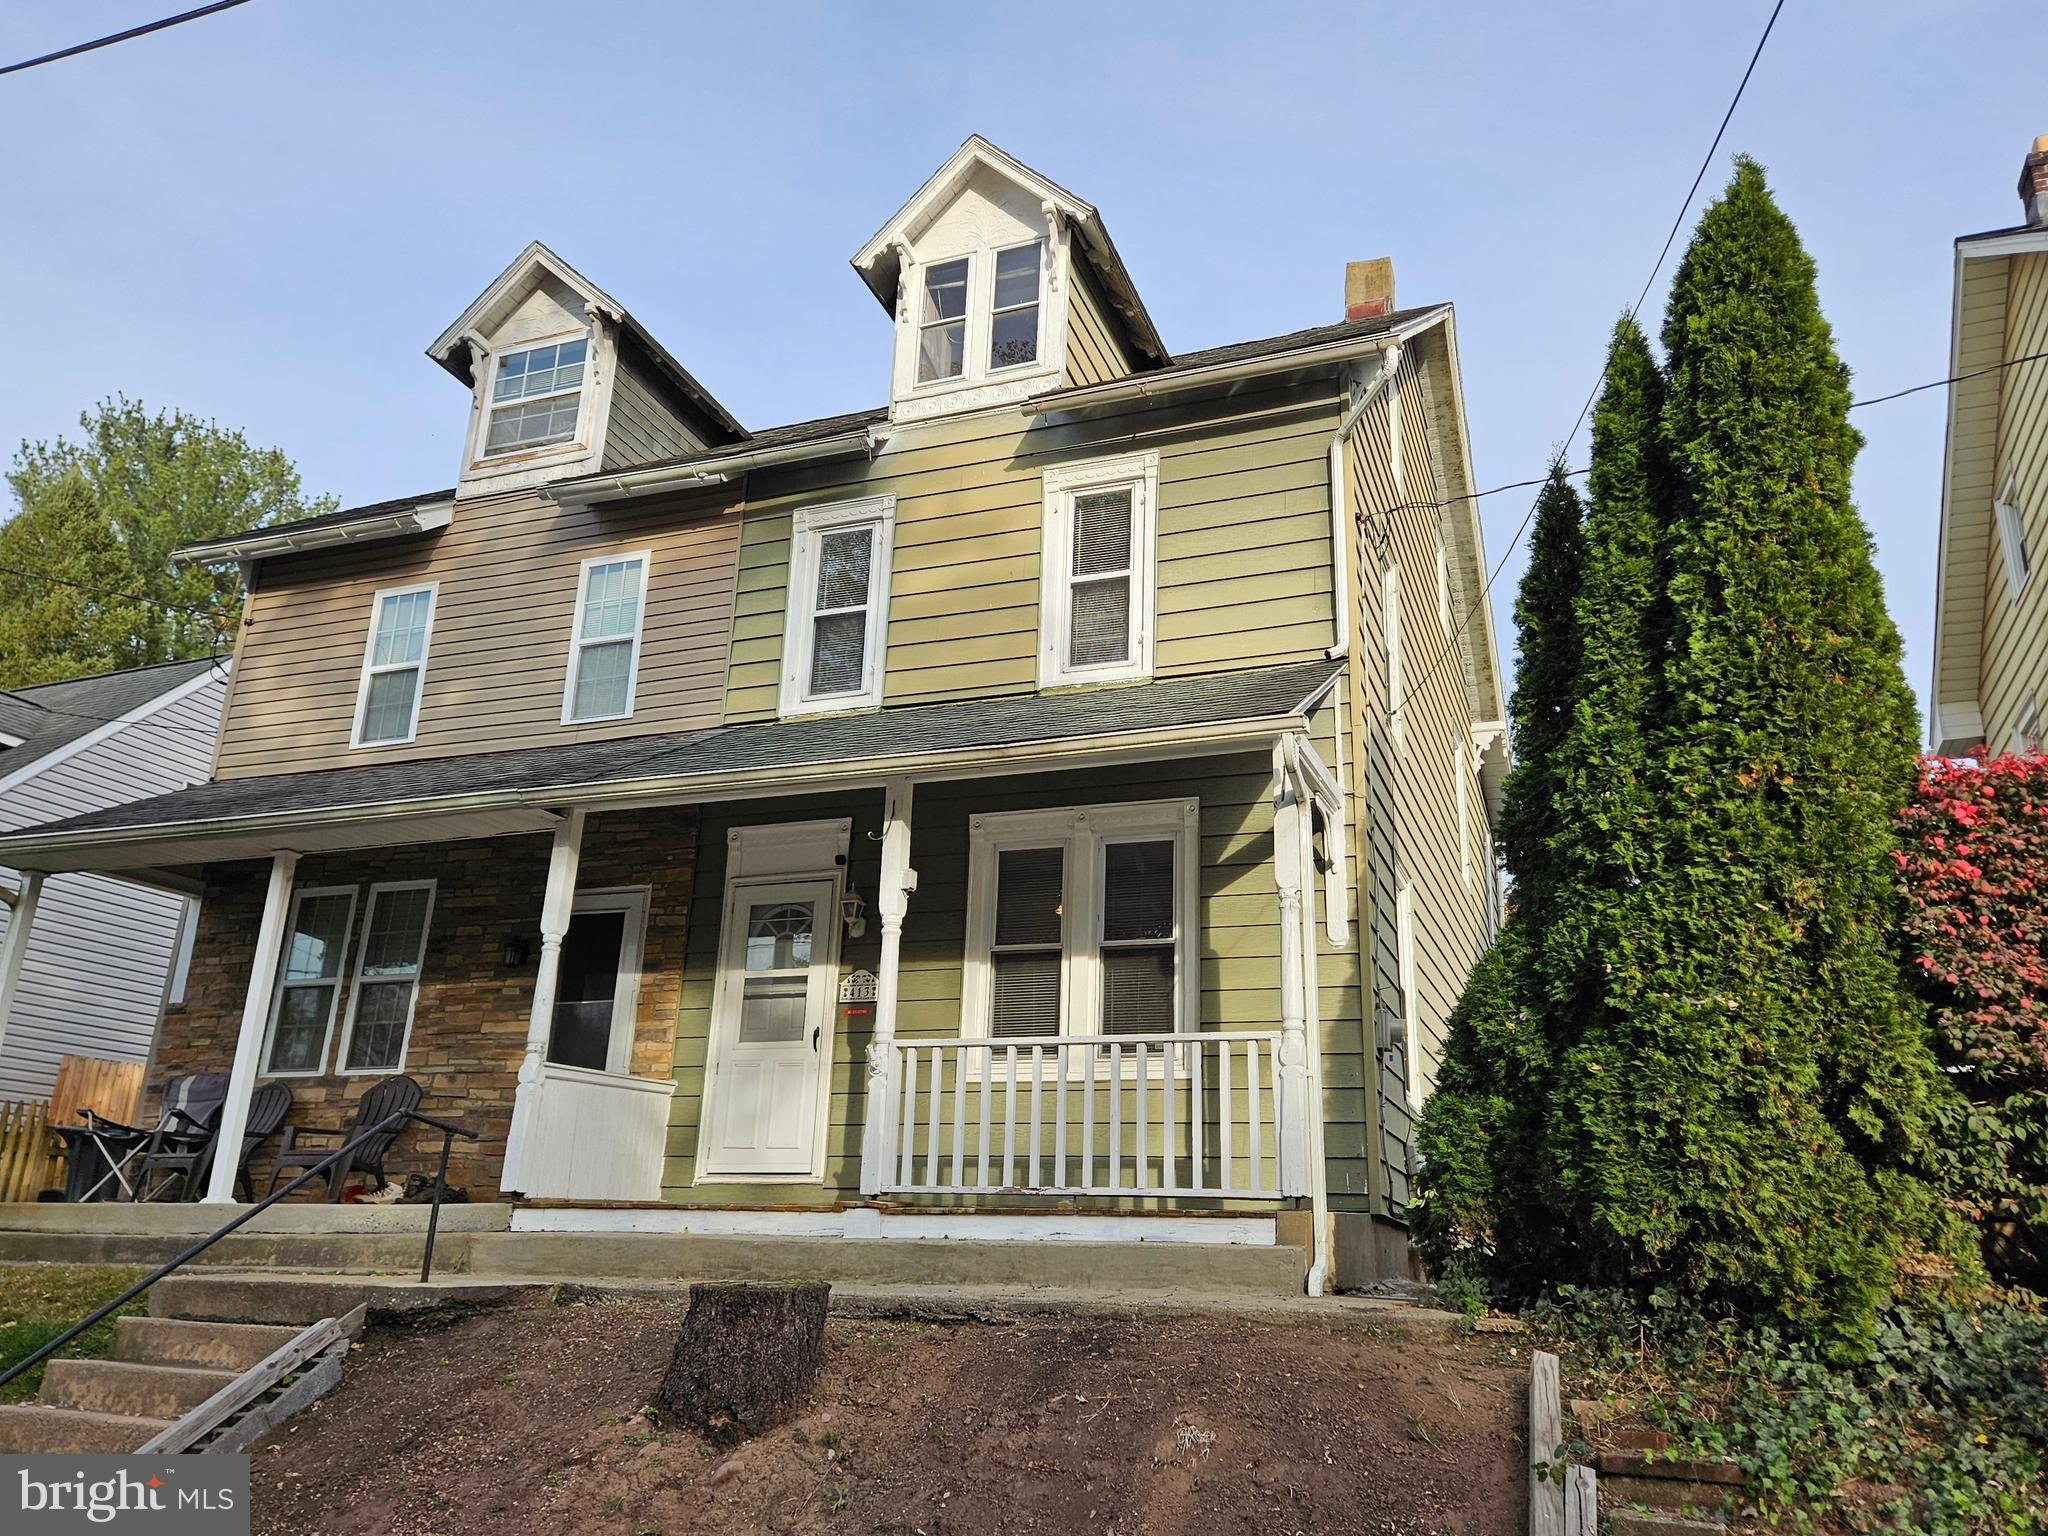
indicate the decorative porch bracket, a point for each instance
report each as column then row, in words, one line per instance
column 878, row 1132
column 557, row 906
column 234, row 1110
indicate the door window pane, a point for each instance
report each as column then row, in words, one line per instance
column 779, row 936
column 772, row 1009
column 586, row 990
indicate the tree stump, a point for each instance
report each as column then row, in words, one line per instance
column 747, row 1353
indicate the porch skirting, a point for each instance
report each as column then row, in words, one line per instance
column 867, row 1222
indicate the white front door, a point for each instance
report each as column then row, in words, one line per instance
column 771, row 1022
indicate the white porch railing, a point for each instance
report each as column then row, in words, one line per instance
column 1180, row 1114
column 593, row 1135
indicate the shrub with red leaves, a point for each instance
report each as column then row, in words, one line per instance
column 1974, row 869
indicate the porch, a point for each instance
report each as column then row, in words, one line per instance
column 1055, row 985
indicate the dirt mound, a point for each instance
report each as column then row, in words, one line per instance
column 532, row 1421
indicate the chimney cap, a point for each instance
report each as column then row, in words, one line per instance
column 2041, row 143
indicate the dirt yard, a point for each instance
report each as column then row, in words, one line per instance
column 532, row 1421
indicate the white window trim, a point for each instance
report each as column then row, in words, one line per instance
column 577, row 644
column 807, row 527
column 419, row 699
column 1062, row 484
column 355, row 978
column 989, row 367
column 578, row 441
column 1083, row 832
column 2012, row 535
column 1404, row 960
column 633, row 900
column 277, row 985
column 2026, row 730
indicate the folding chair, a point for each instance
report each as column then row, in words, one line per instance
column 111, row 1150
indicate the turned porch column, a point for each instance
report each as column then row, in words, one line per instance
column 234, row 1110
column 1293, row 1075
column 21, row 919
column 892, row 901
column 557, row 906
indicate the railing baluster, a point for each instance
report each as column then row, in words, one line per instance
column 1092, row 1057
column 907, row 1143
column 1226, row 1113
column 1009, row 1114
column 1197, row 1116
column 988, row 1067
column 1037, row 1098
column 1251, row 1083
column 960, row 1113
column 1116, row 1116
column 1059, row 1117
column 935, row 1111
column 1169, row 1152
column 1143, row 1171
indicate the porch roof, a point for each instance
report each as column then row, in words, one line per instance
column 449, row 797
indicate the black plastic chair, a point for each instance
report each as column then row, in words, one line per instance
column 392, row 1096
column 189, row 1102
column 191, row 1163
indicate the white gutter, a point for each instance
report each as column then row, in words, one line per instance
column 1146, row 386
column 712, row 469
column 1242, row 735
column 424, row 518
column 1340, row 499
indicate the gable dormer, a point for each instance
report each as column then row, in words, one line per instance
column 1002, row 285
column 563, row 381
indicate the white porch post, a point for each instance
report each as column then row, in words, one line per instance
column 14, row 944
column 234, row 1112
column 1288, row 873
column 892, row 901
column 556, row 907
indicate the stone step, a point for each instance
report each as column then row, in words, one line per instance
column 1647, row 1523
column 30, row 1429
column 124, row 1387
column 213, row 1346
column 1681, row 1469
column 1666, row 1495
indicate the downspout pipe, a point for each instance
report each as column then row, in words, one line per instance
column 1340, row 500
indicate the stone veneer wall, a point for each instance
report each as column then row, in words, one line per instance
column 469, row 1025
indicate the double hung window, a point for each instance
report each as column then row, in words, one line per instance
column 604, row 648
column 1095, row 618
column 535, row 396
column 837, row 622
column 394, row 666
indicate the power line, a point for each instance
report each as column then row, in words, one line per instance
column 121, row 37
column 1954, row 378
column 147, row 724
column 214, row 615
column 1514, row 541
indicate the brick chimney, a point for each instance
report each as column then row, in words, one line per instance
column 1369, row 286
column 2034, row 185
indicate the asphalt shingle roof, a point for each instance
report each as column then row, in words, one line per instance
column 49, row 716
column 1217, row 698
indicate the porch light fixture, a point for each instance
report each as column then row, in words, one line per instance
column 852, row 912
column 513, row 951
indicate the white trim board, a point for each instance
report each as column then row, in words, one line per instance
column 916, row 1226
column 216, row 673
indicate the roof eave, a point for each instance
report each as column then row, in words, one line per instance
column 260, row 544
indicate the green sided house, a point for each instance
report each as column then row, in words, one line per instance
column 1053, row 804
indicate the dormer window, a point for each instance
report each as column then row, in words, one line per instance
column 535, row 395
column 942, row 327
column 1013, row 318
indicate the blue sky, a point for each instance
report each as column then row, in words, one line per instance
column 265, row 216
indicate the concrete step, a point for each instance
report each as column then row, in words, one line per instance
column 211, row 1346
column 358, row 1252
column 28, row 1429
column 290, row 1300
column 192, row 1219
column 124, row 1387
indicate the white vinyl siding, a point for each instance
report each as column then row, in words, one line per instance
column 838, row 615
column 394, row 666
column 604, row 644
column 1081, row 922
column 387, row 977
column 1096, row 589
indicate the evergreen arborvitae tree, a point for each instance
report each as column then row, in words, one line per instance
column 1484, row 1186
column 1765, row 1088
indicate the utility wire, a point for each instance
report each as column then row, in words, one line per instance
column 1954, row 378
column 121, row 37
column 212, row 615
column 148, row 724
column 1678, row 223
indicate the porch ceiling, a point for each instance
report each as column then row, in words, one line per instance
column 437, row 799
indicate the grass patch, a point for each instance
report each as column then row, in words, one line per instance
column 39, row 1301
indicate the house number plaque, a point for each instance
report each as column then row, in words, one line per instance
column 857, row 987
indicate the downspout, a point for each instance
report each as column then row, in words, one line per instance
column 1340, row 502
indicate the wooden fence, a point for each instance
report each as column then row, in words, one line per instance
column 30, row 1157
column 26, row 1166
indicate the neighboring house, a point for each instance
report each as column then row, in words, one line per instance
column 1991, row 609
column 1022, row 808
column 103, row 953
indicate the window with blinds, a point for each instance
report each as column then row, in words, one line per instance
column 838, row 600
column 1097, row 598
column 1081, row 920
